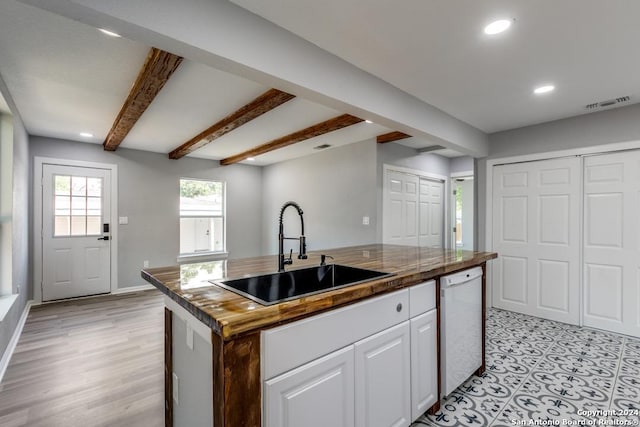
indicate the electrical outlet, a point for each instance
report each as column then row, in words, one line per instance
column 365, row 220
column 145, row 264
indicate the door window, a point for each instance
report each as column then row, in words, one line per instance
column 77, row 206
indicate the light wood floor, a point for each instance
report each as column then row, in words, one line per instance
column 89, row 363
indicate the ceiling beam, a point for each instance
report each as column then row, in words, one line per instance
column 301, row 135
column 262, row 104
column 391, row 136
column 156, row 71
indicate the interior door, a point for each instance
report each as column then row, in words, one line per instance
column 611, row 268
column 431, row 213
column 75, row 239
column 400, row 208
column 536, row 232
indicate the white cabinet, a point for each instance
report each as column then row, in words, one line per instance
column 383, row 379
column 424, row 363
column 363, row 365
column 319, row 393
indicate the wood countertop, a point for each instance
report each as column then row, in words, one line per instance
column 231, row 315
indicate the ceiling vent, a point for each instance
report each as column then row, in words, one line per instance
column 608, row 103
column 321, row 147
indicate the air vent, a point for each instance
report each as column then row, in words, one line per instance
column 607, row 103
column 321, row 147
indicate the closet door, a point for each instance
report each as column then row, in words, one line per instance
column 611, row 268
column 400, row 208
column 536, row 233
column 431, row 213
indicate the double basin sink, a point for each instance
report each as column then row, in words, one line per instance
column 274, row 288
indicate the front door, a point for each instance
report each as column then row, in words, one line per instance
column 76, row 257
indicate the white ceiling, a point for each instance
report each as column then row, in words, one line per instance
column 65, row 77
column 437, row 51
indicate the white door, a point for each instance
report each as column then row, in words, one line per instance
column 431, row 213
column 383, row 379
column 318, row 394
column 424, row 363
column 611, row 251
column 536, row 232
column 400, row 208
column 75, row 246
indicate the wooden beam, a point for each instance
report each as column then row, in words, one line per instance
column 155, row 72
column 301, row 135
column 391, row 136
column 262, row 104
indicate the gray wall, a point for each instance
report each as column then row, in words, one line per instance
column 605, row 127
column 20, row 226
column 335, row 189
column 461, row 164
column 148, row 195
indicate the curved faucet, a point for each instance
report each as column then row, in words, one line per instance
column 302, row 254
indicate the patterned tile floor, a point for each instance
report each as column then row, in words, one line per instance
column 541, row 372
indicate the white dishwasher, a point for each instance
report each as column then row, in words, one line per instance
column 461, row 327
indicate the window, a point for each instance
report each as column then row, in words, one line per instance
column 78, row 206
column 202, row 210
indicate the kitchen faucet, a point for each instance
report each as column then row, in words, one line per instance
column 302, row 254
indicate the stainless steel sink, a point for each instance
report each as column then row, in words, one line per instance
column 274, row 288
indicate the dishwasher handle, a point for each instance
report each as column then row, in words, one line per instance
column 461, row 277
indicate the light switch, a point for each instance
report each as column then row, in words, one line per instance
column 189, row 336
column 365, row 220
column 123, row 220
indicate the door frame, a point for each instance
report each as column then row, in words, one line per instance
column 38, row 164
column 421, row 174
column 488, row 195
column 452, row 208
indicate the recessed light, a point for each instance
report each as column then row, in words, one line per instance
column 368, row 121
column 544, row 89
column 498, row 26
column 251, row 159
column 86, row 135
column 109, row 33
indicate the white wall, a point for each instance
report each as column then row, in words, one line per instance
column 605, row 127
column 148, row 188
column 334, row 188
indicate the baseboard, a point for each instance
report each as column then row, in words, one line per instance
column 133, row 289
column 8, row 352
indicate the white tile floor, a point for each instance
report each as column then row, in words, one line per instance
column 540, row 370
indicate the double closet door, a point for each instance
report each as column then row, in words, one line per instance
column 413, row 210
column 567, row 232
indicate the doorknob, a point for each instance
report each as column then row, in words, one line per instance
column 103, row 238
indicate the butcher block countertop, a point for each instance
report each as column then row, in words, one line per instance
column 231, row 315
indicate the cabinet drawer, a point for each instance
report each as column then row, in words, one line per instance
column 297, row 343
column 422, row 298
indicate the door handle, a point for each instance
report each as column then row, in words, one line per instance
column 103, row 238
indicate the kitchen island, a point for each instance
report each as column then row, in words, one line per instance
column 236, row 323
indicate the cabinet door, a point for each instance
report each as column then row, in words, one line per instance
column 424, row 363
column 382, row 379
column 319, row 393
